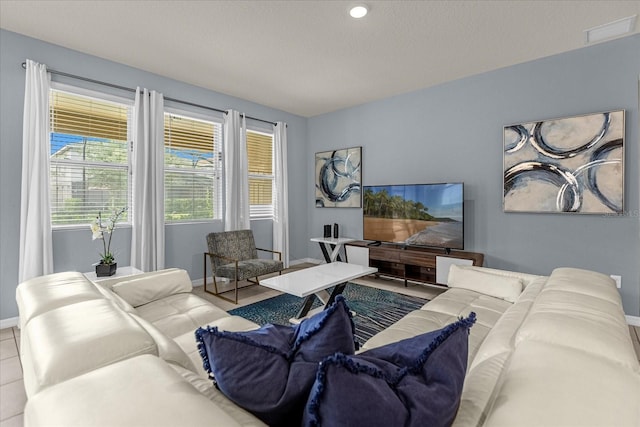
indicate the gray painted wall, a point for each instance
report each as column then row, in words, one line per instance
column 453, row 132
column 74, row 249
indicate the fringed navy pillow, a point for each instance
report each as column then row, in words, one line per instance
column 415, row 382
column 270, row 371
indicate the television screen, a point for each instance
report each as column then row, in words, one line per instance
column 416, row 214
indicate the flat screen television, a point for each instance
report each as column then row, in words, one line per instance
column 415, row 214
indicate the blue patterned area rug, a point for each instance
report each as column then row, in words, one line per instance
column 375, row 309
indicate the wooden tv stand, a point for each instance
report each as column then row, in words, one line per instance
column 411, row 262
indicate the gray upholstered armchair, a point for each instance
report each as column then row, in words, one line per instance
column 233, row 254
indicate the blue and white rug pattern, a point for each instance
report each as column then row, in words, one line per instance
column 375, row 309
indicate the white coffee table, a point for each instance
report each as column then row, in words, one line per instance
column 312, row 282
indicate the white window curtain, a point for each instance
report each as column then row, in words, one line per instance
column 281, row 193
column 236, row 172
column 147, row 216
column 36, row 242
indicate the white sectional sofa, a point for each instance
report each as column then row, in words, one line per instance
column 120, row 353
column 560, row 354
column 545, row 351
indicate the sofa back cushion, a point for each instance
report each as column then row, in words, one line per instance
column 168, row 349
column 561, row 355
column 108, row 293
column 140, row 290
column 550, row 385
column 141, row 391
column 500, row 286
column 484, row 373
column 69, row 341
column 44, row 293
column 581, row 309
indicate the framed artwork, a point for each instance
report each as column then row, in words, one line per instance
column 338, row 177
column 567, row 165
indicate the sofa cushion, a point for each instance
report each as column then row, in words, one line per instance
column 142, row 391
column 44, row 293
column 495, row 285
column 270, row 371
column 71, row 340
column 443, row 310
column 208, row 389
column 414, row 382
column 549, row 385
column 188, row 343
column 142, row 290
column 180, row 313
column 115, row 298
column 583, row 313
column 168, row 349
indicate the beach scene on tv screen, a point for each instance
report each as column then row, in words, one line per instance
column 421, row 215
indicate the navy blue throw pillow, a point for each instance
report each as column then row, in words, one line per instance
column 415, row 382
column 270, row 371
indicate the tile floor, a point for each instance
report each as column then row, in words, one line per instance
column 12, row 395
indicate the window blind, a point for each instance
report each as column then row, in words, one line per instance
column 261, row 178
column 192, row 168
column 89, row 164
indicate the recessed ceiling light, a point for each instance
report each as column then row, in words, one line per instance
column 358, row 11
column 610, row 30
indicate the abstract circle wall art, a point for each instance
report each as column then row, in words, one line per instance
column 566, row 165
column 338, row 178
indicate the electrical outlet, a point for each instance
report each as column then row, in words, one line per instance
column 618, row 280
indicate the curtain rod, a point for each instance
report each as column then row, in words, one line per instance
column 128, row 89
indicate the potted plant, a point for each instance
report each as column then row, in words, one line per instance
column 107, row 265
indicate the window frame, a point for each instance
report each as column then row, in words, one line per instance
column 219, row 169
column 263, row 212
column 100, row 96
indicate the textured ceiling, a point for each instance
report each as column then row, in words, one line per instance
column 310, row 57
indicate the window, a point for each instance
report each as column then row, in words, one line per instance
column 89, row 170
column 192, row 168
column 261, row 178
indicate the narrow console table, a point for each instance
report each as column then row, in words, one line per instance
column 333, row 244
column 410, row 262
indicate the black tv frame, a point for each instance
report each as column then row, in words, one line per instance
column 403, row 244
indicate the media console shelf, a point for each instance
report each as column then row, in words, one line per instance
column 409, row 262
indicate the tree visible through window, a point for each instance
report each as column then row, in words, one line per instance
column 90, row 165
column 89, row 170
column 192, row 168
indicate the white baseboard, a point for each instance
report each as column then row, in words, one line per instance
column 633, row 320
column 200, row 282
column 306, row 260
column 9, row 323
